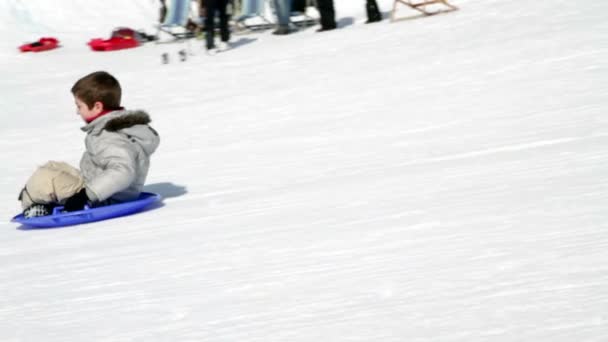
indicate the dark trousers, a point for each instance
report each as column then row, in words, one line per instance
column 373, row 13
column 214, row 6
column 327, row 13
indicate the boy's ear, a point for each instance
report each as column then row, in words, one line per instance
column 98, row 107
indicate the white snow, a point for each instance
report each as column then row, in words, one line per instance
column 436, row 179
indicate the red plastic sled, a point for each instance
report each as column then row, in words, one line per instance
column 43, row 44
column 114, row 43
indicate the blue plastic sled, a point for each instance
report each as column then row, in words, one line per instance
column 59, row 219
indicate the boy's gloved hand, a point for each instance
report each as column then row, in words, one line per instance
column 77, row 201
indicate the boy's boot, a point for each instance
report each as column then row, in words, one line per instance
column 373, row 13
column 38, row 210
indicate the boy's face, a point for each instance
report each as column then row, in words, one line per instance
column 86, row 113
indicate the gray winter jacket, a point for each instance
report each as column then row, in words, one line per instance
column 117, row 157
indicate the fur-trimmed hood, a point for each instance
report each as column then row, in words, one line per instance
column 133, row 124
column 117, row 120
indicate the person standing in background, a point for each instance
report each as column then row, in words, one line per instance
column 282, row 9
column 162, row 11
column 328, row 15
column 373, row 13
column 211, row 7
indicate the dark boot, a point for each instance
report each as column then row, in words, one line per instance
column 328, row 15
column 282, row 30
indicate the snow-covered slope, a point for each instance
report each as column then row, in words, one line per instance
column 438, row 179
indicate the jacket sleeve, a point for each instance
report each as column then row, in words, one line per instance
column 118, row 162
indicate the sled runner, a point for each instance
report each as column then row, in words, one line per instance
column 43, row 44
column 61, row 219
column 424, row 7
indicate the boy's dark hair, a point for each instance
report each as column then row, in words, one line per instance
column 99, row 86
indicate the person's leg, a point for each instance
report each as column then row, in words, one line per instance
column 210, row 22
column 373, row 13
column 328, row 16
column 283, row 9
column 224, row 29
column 163, row 11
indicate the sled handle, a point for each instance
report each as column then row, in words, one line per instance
column 59, row 210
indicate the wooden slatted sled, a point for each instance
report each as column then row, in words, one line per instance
column 423, row 8
column 176, row 21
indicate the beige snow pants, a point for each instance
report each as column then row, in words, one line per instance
column 53, row 182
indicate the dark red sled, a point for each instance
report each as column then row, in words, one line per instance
column 114, row 43
column 43, row 44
